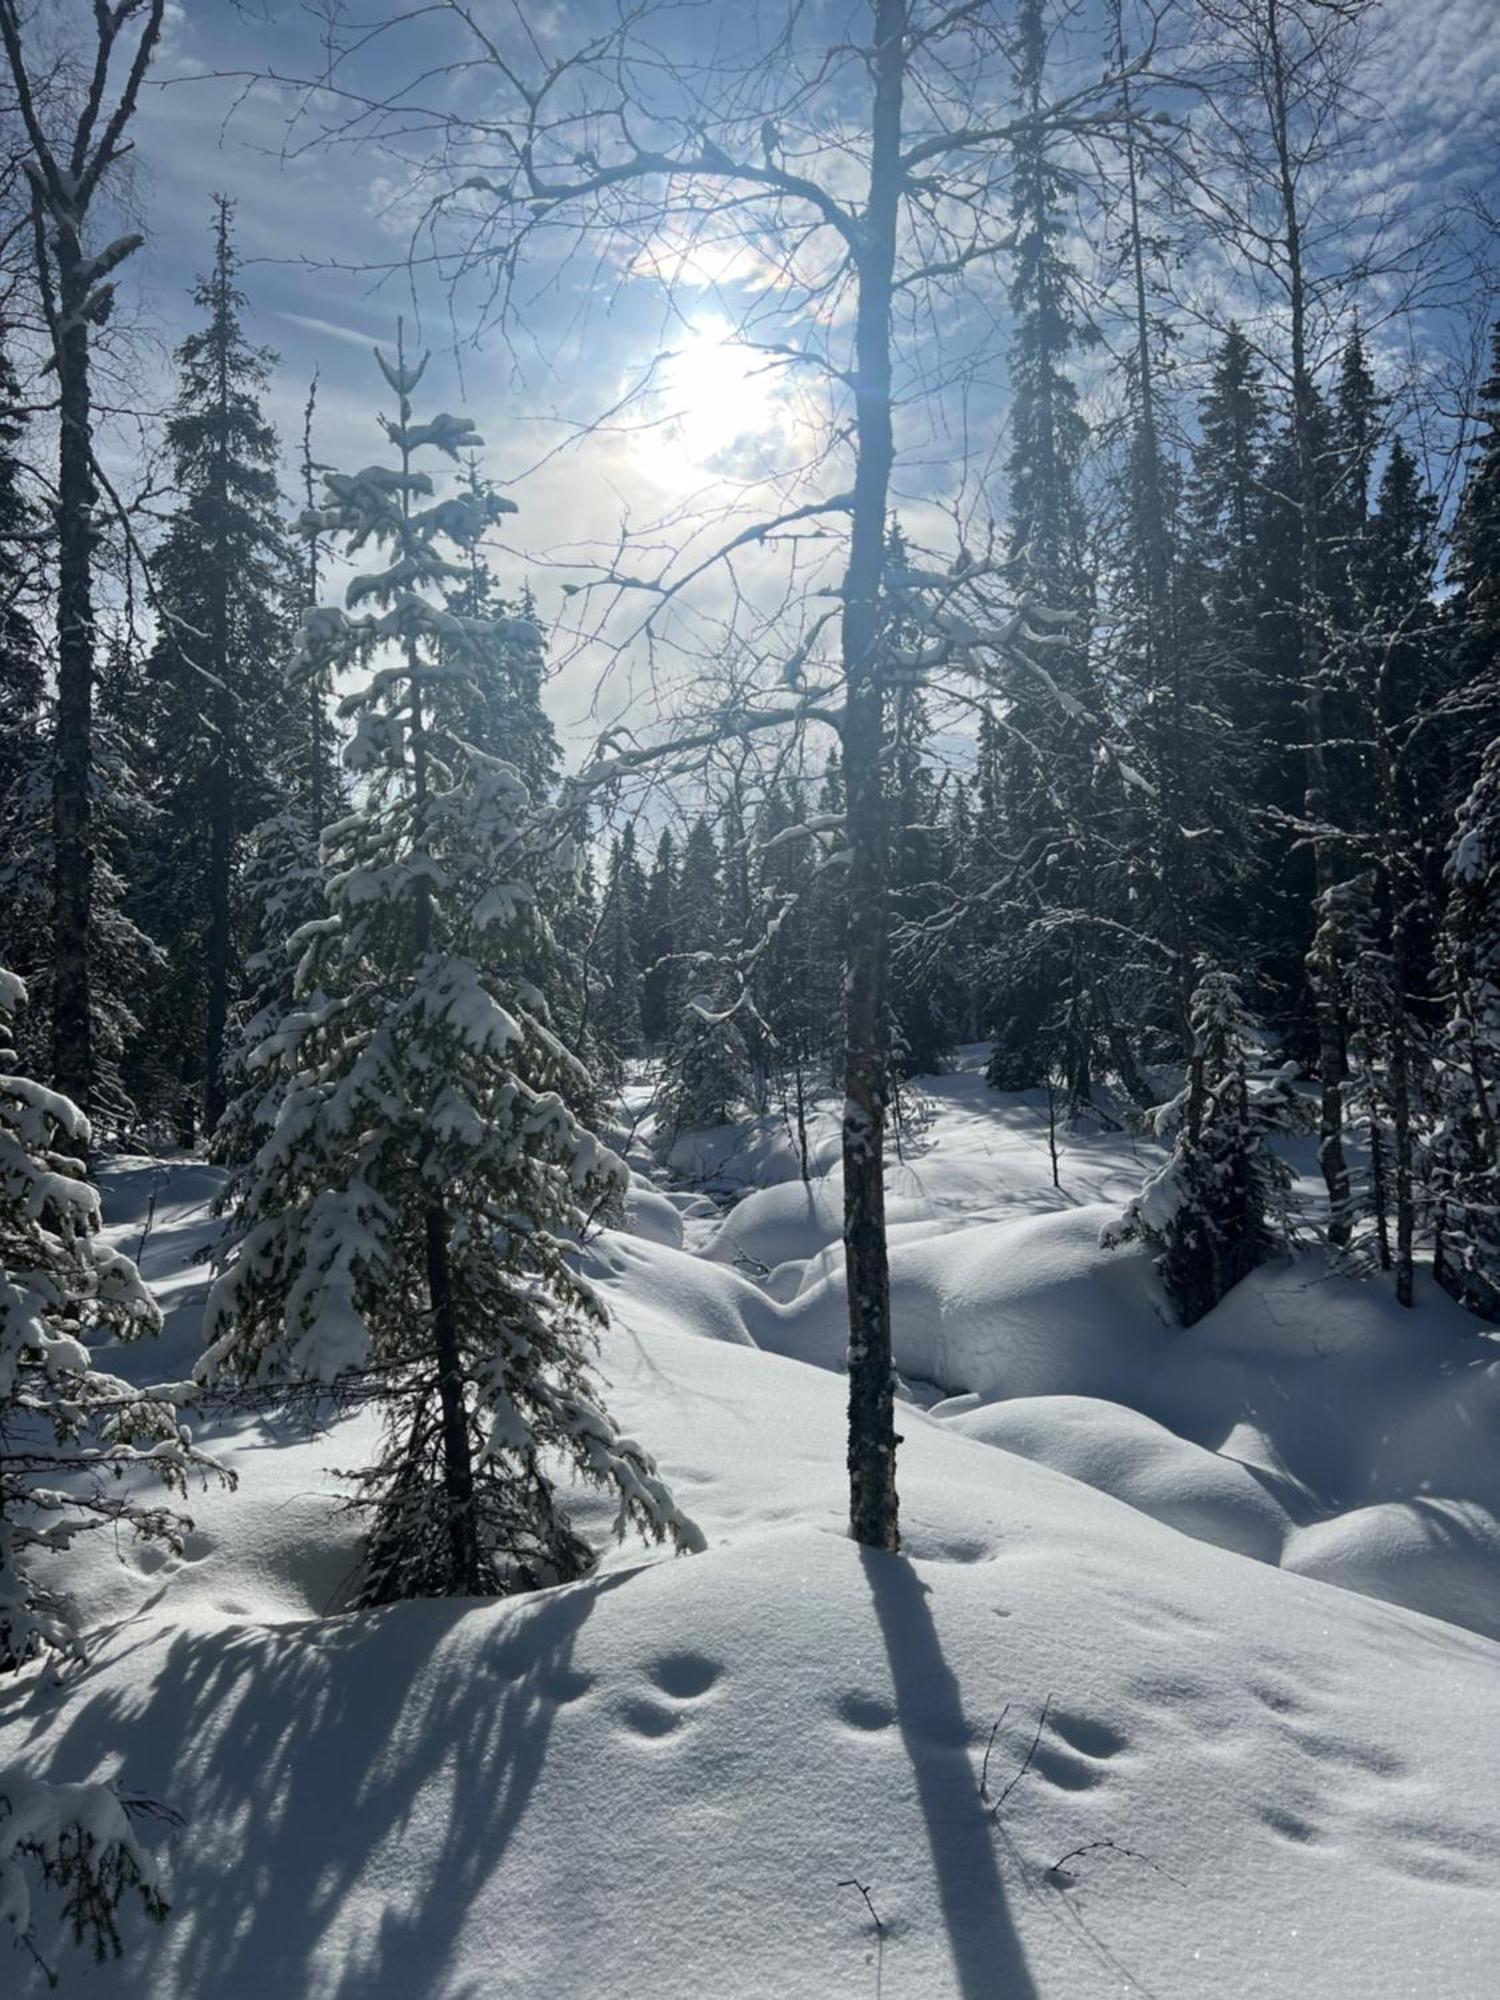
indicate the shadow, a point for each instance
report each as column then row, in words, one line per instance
column 386, row 1760
column 988, row 1961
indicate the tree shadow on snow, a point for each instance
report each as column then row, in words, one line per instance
column 379, row 1761
column 986, row 1952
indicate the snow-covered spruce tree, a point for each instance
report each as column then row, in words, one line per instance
column 706, row 1079
column 222, row 714
column 1465, row 1146
column 617, row 1016
column 69, row 1434
column 282, row 877
column 705, row 1074
column 1218, row 1207
column 404, row 1232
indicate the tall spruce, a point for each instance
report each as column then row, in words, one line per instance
column 223, row 711
column 1045, row 751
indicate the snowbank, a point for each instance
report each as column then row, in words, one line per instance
column 657, row 1781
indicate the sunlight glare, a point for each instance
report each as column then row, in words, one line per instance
column 721, row 406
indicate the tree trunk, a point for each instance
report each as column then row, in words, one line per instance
column 72, row 768
column 872, row 1423
column 464, row 1578
column 226, row 722
column 1316, row 798
column 220, row 851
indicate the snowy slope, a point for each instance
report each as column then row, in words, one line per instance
column 656, row 1782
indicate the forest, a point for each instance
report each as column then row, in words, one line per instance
column 749, row 997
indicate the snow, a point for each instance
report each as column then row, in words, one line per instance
column 1248, row 1570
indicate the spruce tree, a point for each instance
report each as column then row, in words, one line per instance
column 500, row 712
column 1047, row 750
column 1218, row 1207
column 657, row 984
column 617, row 1015
column 222, row 714
column 281, row 886
column 1474, row 574
column 71, row 1437
column 1465, row 1146
column 705, row 1074
column 69, row 1433
column 404, row 1235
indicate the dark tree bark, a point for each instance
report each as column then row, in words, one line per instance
column 872, row 1423
column 1317, row 802
column 221, row 801
column 76, row 294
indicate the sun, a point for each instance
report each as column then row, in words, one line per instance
column 721, row 408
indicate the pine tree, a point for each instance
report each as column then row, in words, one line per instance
column 1219, row 1205
column 404, row 1233
column 222, row 709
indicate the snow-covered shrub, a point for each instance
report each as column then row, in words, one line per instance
column 404, row 1232
column 78, row 1841
column 1218, row 1207
column 69, row 1433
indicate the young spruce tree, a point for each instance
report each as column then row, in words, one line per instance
column 405, row 1230
column 70, row 1438
column 1219, row 1205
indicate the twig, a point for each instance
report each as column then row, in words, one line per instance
column 140, row 1248
column 1093, row 1846
column 984, row 1773
column 864, row 1891
column 1041, row 1725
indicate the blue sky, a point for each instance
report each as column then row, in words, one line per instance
column 309, row 217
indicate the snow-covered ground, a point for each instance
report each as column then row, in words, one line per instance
column 1186, row 1684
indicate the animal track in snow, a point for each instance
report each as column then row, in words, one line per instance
column 1087, row 1734
column 1065, row 1769
column 1432, row 1852
column 684, row 1676
column 649, row 1718
column 1290, row 1825
column 865, row 1712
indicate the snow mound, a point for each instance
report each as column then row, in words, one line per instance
column 1437, row 1555
column 652, row 1217
column 1029, row 1306
column 649, row 1284
column 1214, row 1498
